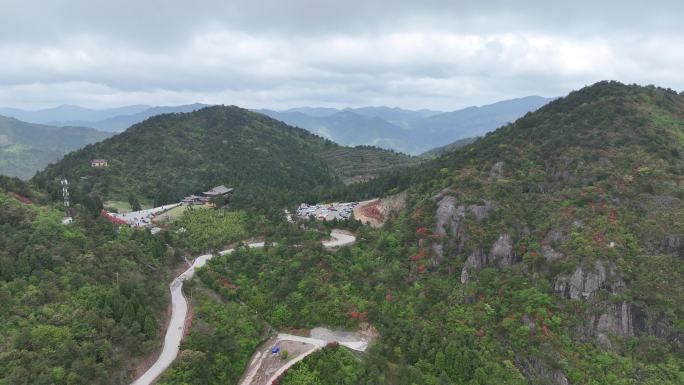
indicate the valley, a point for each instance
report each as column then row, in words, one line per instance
column 353, row 192
column 538, row 253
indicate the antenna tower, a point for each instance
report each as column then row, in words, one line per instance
column 65, row 194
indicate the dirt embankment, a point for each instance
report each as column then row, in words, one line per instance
column 375, row 212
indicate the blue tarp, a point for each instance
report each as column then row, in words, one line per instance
column 275, row 350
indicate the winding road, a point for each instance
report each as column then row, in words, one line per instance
column 320, row 337
column 339, row 238
column 176, row 329
column 179, row 308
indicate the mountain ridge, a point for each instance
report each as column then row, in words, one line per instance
column 168, row 156
column 107, row 119
column 551, row 237
column 408, row 131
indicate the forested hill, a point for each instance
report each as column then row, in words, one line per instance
column 168, row 156
column 80, row 303
column 551, row 251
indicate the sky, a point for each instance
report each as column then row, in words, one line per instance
column 434, row 54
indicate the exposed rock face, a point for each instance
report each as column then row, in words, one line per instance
column 552, row 237
column 529, row 322
column 449, row 218
column 464, row 276
column 662, row 201
column 604, row 341
column 502, row 251
column 540, row 374
column 481, row 211
column 672, row 244
column 550, row 254
column 477, row 260
column 442, row 194
column 565, row 169
column 582, row 284
column 616, row 319
column 496, row 172
column 603, row 318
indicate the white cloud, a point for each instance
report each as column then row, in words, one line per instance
column 272, row 55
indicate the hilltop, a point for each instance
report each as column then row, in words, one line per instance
column 26, row 148
column 551, row 239
column 547, row 252
column 168, row 156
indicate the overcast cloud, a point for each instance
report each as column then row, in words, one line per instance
column 277, row 54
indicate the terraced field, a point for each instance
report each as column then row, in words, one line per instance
column 355, row 164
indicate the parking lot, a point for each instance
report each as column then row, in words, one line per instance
column 328, row 211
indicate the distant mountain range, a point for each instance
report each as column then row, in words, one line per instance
column 30, row 140
column 27, row 147
column 111, row 120
column 408, row 131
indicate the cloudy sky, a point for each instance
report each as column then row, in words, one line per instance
column 276, row 53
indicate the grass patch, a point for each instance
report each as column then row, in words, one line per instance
column 176, row 213
column 120, row 206
column 124, row 206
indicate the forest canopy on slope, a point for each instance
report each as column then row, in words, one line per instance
column 547, row 252
column 80, row 302
column 169, row 156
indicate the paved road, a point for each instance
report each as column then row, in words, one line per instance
column 143, row 217
column 339, row 239
column 320, row 337
column 179, row 308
